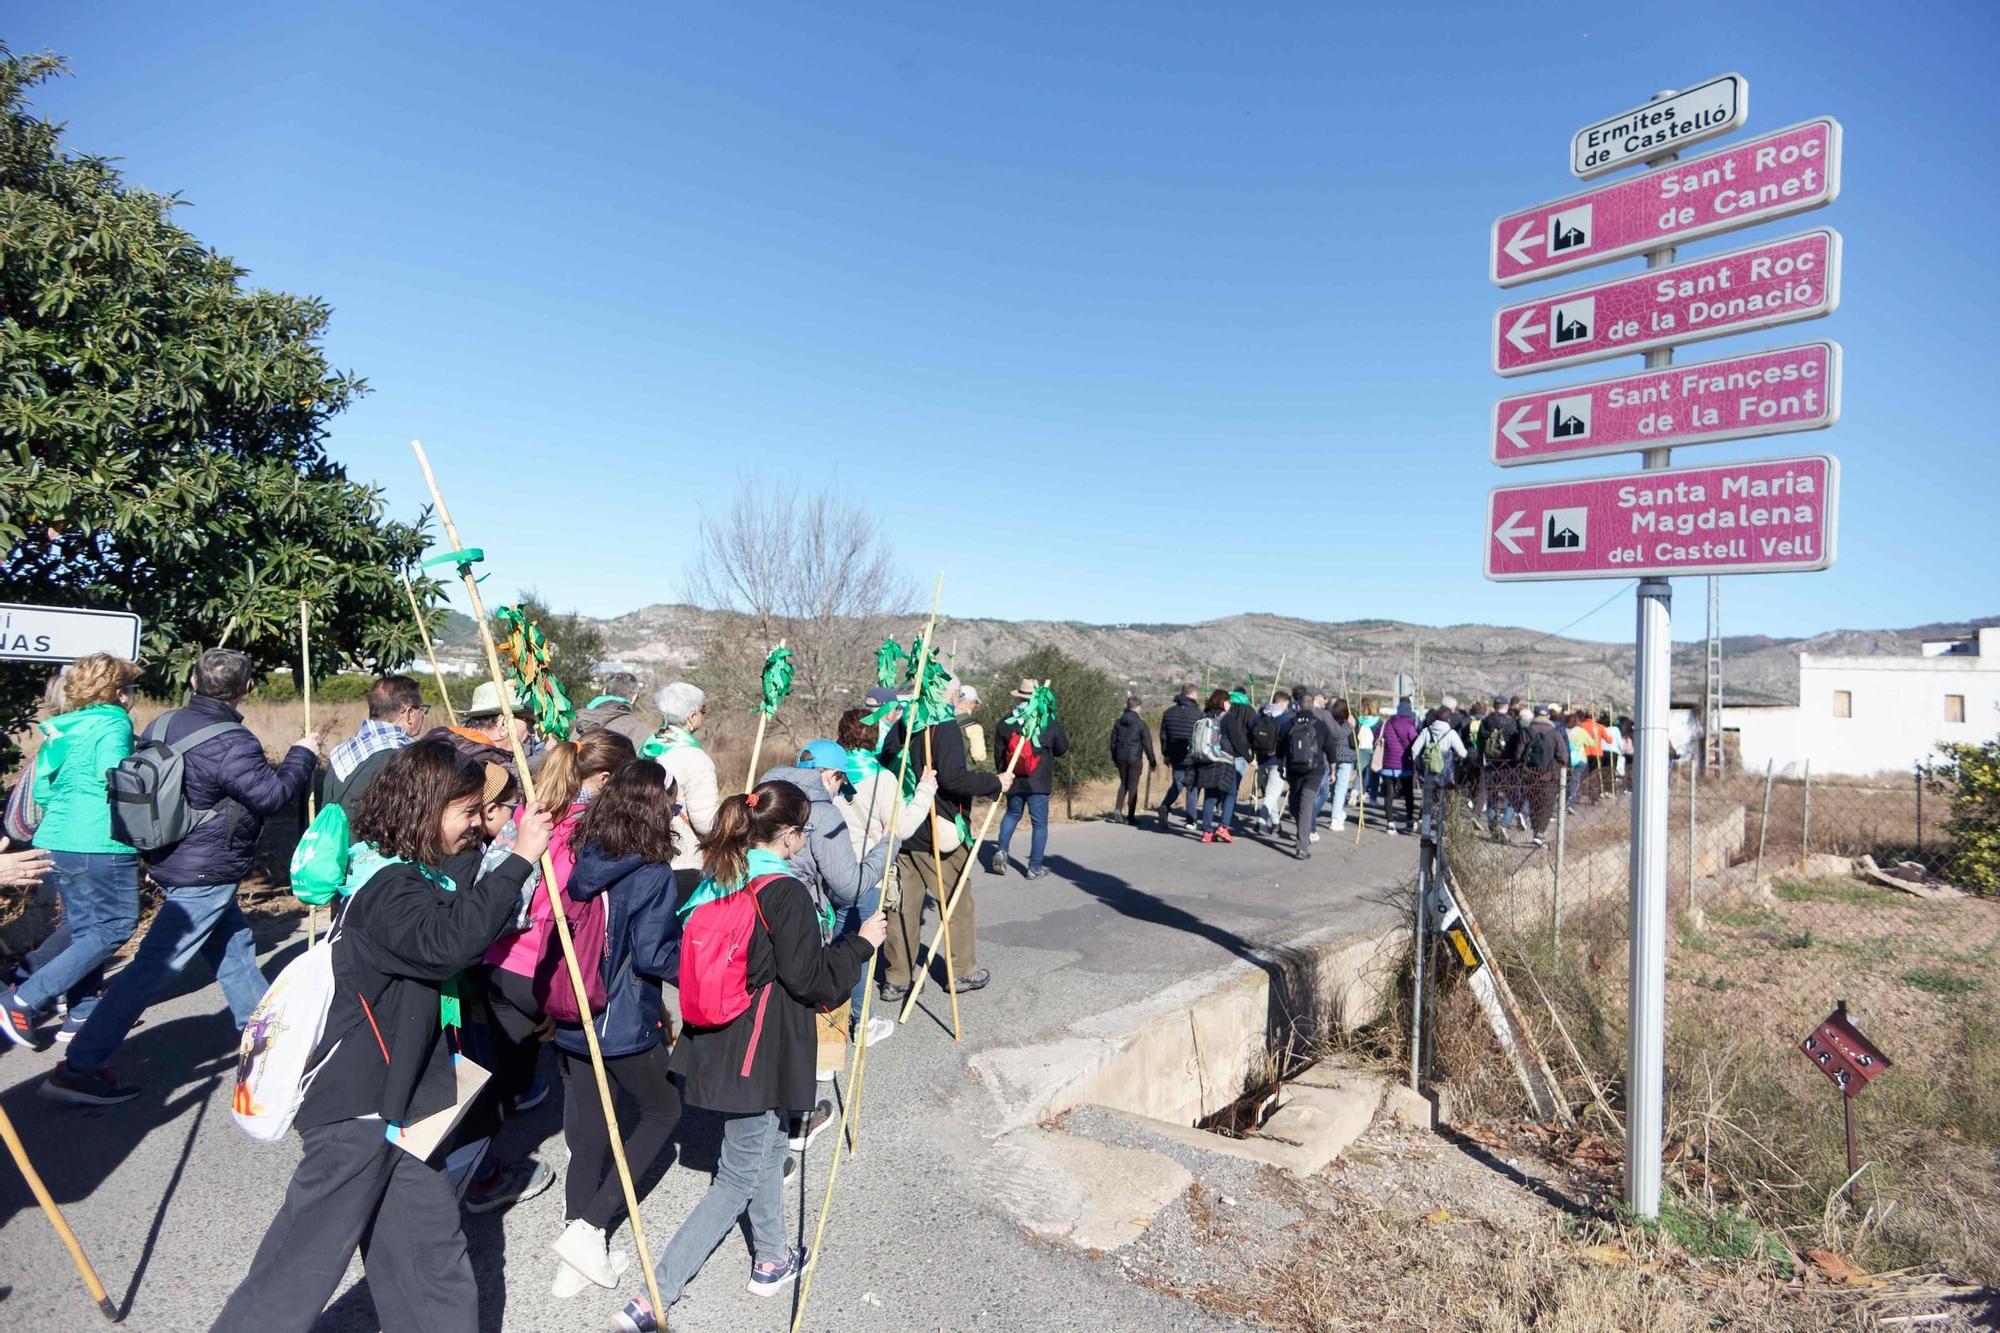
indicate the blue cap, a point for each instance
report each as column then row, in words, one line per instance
column 823, row 754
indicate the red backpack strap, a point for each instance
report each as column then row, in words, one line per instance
column 753, row 888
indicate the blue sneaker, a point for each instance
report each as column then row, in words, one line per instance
column 537, row 1093
column 636, row 1317
column 17, row 1020
column 770, row 1277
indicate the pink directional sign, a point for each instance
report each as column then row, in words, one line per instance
column 1785, row 172
column 1764, row 393
column 1769, row 517
column 1777, row 282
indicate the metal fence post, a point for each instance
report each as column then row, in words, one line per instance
column 1562, row 849
column 1917, row 772
column 1693, row 770
column 1764, row 824
column 1805, row 828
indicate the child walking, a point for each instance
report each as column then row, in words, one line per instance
column 756, row 1070
column 384, row 1063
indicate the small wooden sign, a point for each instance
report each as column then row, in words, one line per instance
column 1846, row 1057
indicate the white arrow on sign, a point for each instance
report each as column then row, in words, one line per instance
column 1518, row 247
column 1518, row 335
column 1520, row 423
column 1508, row 534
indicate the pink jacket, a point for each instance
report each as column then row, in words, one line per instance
column 520, row 951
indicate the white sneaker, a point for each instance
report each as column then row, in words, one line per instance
column 583, row 1247
column 1315, row 835
column 570, row 1284
column 880, row 1030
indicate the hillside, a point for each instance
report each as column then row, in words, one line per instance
column 1357, row 655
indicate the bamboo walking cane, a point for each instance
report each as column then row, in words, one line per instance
column 849, row 1121
column 56, row 1219
column 851, row 1131
column 557, row 918
column 306, row 695
column 757, row 747
column 945, row 909
column 424, row 633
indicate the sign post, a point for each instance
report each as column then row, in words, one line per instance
column 1851, row 1062
column 63, row 634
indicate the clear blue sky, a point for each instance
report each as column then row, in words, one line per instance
column 1116, row 288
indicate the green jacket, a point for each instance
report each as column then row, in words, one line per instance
column 77, row 748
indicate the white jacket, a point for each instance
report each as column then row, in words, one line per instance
column 868, row 812
column 693, row 773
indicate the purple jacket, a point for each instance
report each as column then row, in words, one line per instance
column 1394, row 739
column 229, row 775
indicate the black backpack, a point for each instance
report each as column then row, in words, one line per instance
column 1303, row 753
column 1264, row 736
column 1496, row 739
column 1541, row 746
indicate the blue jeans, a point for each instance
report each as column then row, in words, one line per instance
column 1320, row 797
column 1037, row 806
column 1343, row 778
column 1210, row 799
column 100, row 898
column 749, row 1181
column 864, row 907
column 201, row 920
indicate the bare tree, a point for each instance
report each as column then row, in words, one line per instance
column 813, row 570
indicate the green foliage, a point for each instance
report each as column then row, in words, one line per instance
column 162, row 431
column 576, row 645
column 1938, row 981
column 1840, row 892
column 1087, row 703
column 1970, row 778
column 1703, row 1231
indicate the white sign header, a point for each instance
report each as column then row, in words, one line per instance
column 63, row 634
column 1665, row 126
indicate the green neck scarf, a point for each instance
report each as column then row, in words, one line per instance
column 757, row 862
column 668, row 738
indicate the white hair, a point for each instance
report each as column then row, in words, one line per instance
column 678, row 702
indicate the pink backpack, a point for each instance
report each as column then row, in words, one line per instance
column 588, row 923
column 715, row 961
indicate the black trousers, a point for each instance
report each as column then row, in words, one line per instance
column 353, row 1188
column 591, row 1190
column 1130, row 771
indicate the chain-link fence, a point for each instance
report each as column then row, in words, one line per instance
column 1774, row 919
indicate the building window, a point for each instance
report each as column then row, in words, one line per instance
column 1843, row 703
column 1954, row 708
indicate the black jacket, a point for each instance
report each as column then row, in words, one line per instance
column 1330, row 741
column 1221, row 777
column 1131, row 739
column 1177, row 729
column 399, row 940
column 642, row 937
column 957, row 785
column 1236, row 724
column 805, row 976
column 230, row 776
column 1041, row 779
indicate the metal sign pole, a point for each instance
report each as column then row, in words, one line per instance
column 1645, row 1052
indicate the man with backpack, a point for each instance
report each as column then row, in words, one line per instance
column 1500, row 766
column 1176, row 734
column 1267, row 738
column 213, row 787
column 1544, row 764
column 1034, row 780
column 1308, row 745
column 1436, row 755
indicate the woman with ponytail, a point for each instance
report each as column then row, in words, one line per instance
column 570, row 774
column 757, row 1069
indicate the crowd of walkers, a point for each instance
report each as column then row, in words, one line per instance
column 726, row 944
column 1306, row 757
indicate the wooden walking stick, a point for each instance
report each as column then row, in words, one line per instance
column 464, row 559
column 946, row 908
column 849, row 1136
column 424, row 633
column 56, row 1219
column 776, row 684
column 851, row 1129
column 306, row 695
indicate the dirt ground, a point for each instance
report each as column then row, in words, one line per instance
column 1411, row 1230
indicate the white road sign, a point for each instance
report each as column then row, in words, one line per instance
column 1668, row 125
column 63, row 634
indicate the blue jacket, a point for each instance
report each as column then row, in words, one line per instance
column 642, row 947
column 230, row 776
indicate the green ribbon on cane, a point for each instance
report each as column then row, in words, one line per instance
column 777, row 681
column 1033, row 714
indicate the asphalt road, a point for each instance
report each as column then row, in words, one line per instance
column 171, row 1199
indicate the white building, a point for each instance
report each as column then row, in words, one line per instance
column 1876, row 714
